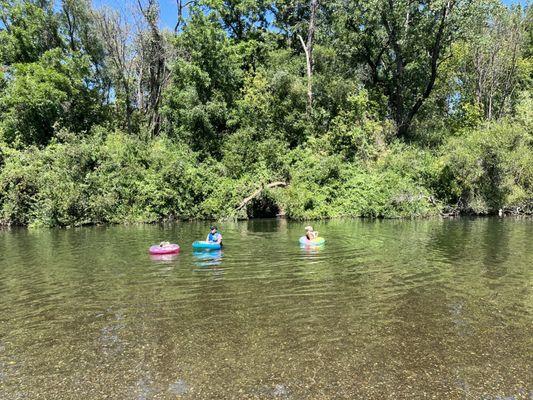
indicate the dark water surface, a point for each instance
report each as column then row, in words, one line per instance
column 386, row 310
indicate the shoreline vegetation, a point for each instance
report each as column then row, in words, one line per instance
column 305, row 109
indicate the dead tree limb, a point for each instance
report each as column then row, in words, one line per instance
column 258, row 192
column 308, row 49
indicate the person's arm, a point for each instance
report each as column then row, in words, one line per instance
column 207, row 238
column 219, row 239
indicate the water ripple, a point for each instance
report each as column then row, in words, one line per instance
column 386, row 309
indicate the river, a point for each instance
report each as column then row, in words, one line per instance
column 385, row 310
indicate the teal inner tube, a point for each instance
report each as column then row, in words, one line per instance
column 319, row 241
column 206, row 245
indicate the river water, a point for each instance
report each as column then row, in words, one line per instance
column 436, row 309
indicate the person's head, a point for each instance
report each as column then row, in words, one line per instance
column 213, row 229
column 308, row 228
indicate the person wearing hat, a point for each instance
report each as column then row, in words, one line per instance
column 214, row 236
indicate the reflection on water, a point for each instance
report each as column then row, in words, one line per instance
column 207, row 258
column 164, row 257
column 385, row 310
column 209, row 261
column 311, row 251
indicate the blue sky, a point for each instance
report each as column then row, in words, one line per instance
column 169, row 8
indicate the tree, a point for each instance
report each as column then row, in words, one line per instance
column 182, row 7
column 45, row 96
column 30, row 28
column 205, row 79
column 119, row 59
column 242, row 19
column 290, row 17
column 489, row 72
column 403, row 44
column 79, row 27
column 152, row 65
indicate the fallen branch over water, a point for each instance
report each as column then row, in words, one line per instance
column 258, row 192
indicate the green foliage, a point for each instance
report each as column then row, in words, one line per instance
column 42, row 96
column 417, row 108
column 357, row 133
column 273, row 105
column 488, row 169
column 204, row 84
column 104, row 178
column 31, row 29
column 491, row 71
column 116, row 177
column 325, row 186
column 402, row 43
column 242, row 19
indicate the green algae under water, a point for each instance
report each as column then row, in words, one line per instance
column 385, row 310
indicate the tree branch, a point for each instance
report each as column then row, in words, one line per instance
column 434, row 65
column 258, row 192
column 181, row 7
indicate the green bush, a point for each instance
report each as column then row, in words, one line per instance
column 104, row 178
column 326, row 186
column 114, row 177
column 488, row 169
column 44, row 96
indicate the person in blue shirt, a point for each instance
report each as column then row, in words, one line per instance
column 214, row 236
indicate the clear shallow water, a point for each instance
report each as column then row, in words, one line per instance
column 386, row 310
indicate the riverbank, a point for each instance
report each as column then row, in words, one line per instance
column 113, row 177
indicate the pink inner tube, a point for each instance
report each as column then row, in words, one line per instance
column 169, row 249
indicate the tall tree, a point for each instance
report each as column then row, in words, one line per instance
column 404, row 43
column 115, row 32
column 204, row 82
column 152, row 64
column 43, row 96
column 489, row 72
column 79, row 26
column 30, row 28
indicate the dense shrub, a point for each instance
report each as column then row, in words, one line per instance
column 488, row 169
column 115, row 177
column 103, row 178
column 326, row 186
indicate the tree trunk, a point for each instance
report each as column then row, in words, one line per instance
column 308, row 49
column 156, row 66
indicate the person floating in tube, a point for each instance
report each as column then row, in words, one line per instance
column 310, row 233
column 214, row 236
